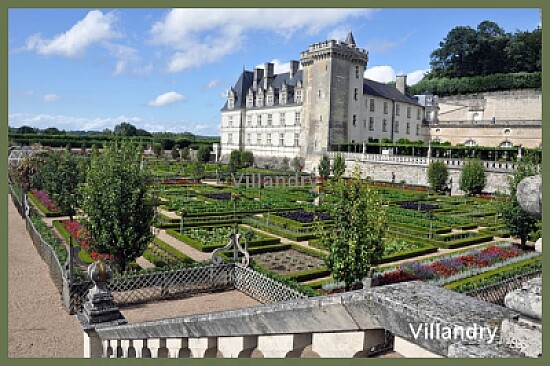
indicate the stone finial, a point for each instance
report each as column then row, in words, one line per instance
column 99, row 306
column 529, row 195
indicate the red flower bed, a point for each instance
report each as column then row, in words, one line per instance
column 81, row 235
column 45, row 200
column 447, row 267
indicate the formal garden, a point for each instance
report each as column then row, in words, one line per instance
column 424, row 235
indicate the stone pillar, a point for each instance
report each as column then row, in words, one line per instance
column 346, row 344
column 175, row 345
column 232, row 347
column 278, row 346
column 98, row 310
column 200, row 346
column 410, row 350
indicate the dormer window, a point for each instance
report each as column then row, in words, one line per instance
column 231, row 99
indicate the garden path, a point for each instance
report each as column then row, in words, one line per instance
column 183, row 247
column 38, row 324
column 170, row 214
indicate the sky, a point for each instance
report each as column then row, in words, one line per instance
column 170, row 69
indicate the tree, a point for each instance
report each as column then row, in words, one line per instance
column 234, row 161
column 125, row 129
column 354, row 243
column 184, row 153
column 324, row 167
column 472, row 177
column 116, row 201
column 203, row 154
column 517, row 221
column 52, row 131
column 175, row 153
column 196, row 170
column 285, row 165
column 339, row 167
column 247, row 158
column 157, row 149
column 437, row 175
column 297, row 164
column 61, row 180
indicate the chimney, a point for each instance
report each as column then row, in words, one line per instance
column 258, row 74
column 400, row 83
column 294, row 65
column 268, row 70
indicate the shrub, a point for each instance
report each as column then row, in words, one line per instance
column 472, row 177
column 437, row 175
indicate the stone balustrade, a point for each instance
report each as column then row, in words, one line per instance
column 358, row 323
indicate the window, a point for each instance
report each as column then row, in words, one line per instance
column 418, row 111
column 248, row 139
column 408, row 128
column 470, row 142
column 297, row 119
column 506, row 144
column 385, row 107
column 282, row 119
column 230, row 121
column 396, row 127
column 259, row 140
column 371, row 106
column 384, row 125
column 230, row 138
column 296, row 139
column 364, row 123
column 281, row 139
column 417, row 130
column 269, row 139
column 354, row 119
column 270, row 100
column 408, row 112
column 371, row 123
column 357, row 73
column 320, row 94
column 397, row 109
column 355, row 94
column 320, row 118
column 248, row 120
column 269, row 119
column 298, row 96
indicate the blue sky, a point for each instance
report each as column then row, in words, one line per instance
column 168, row 70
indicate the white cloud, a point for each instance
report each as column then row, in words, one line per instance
column 384, row 46
column 95, row 27
column 415, row 76
column 200, row 36
column 166, row 98
column 212, row 84
column 385, row 74
column 382, row 74
column 339, row 33
column 48, row 98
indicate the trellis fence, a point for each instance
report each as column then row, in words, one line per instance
column 496, row 292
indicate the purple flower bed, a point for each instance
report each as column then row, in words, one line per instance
column 45, row 200
column 218, row 196
column 304, row 216
column 415, row 205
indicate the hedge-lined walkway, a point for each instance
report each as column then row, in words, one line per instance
column 38, row 324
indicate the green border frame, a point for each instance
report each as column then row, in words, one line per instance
column 5, row 5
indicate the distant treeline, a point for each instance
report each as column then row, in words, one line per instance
column 87, row 141
column 444, row 86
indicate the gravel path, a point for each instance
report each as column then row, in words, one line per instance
column 38, row 324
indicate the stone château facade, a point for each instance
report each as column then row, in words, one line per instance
column 305, row 112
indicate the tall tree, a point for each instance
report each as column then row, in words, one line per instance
column 125, row 129
column 184, row 153
column 297, row 164
column 338, row 167
column 437, row 175
column 117, row 205
column 517, row 221
column 203, row 154
column 324, row 167
column 472, row 177
column 62, row 181
column 247, row 158
column 175, row 152
column 354, row 243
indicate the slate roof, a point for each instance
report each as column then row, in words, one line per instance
column 377, row 89
column 370, row 87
